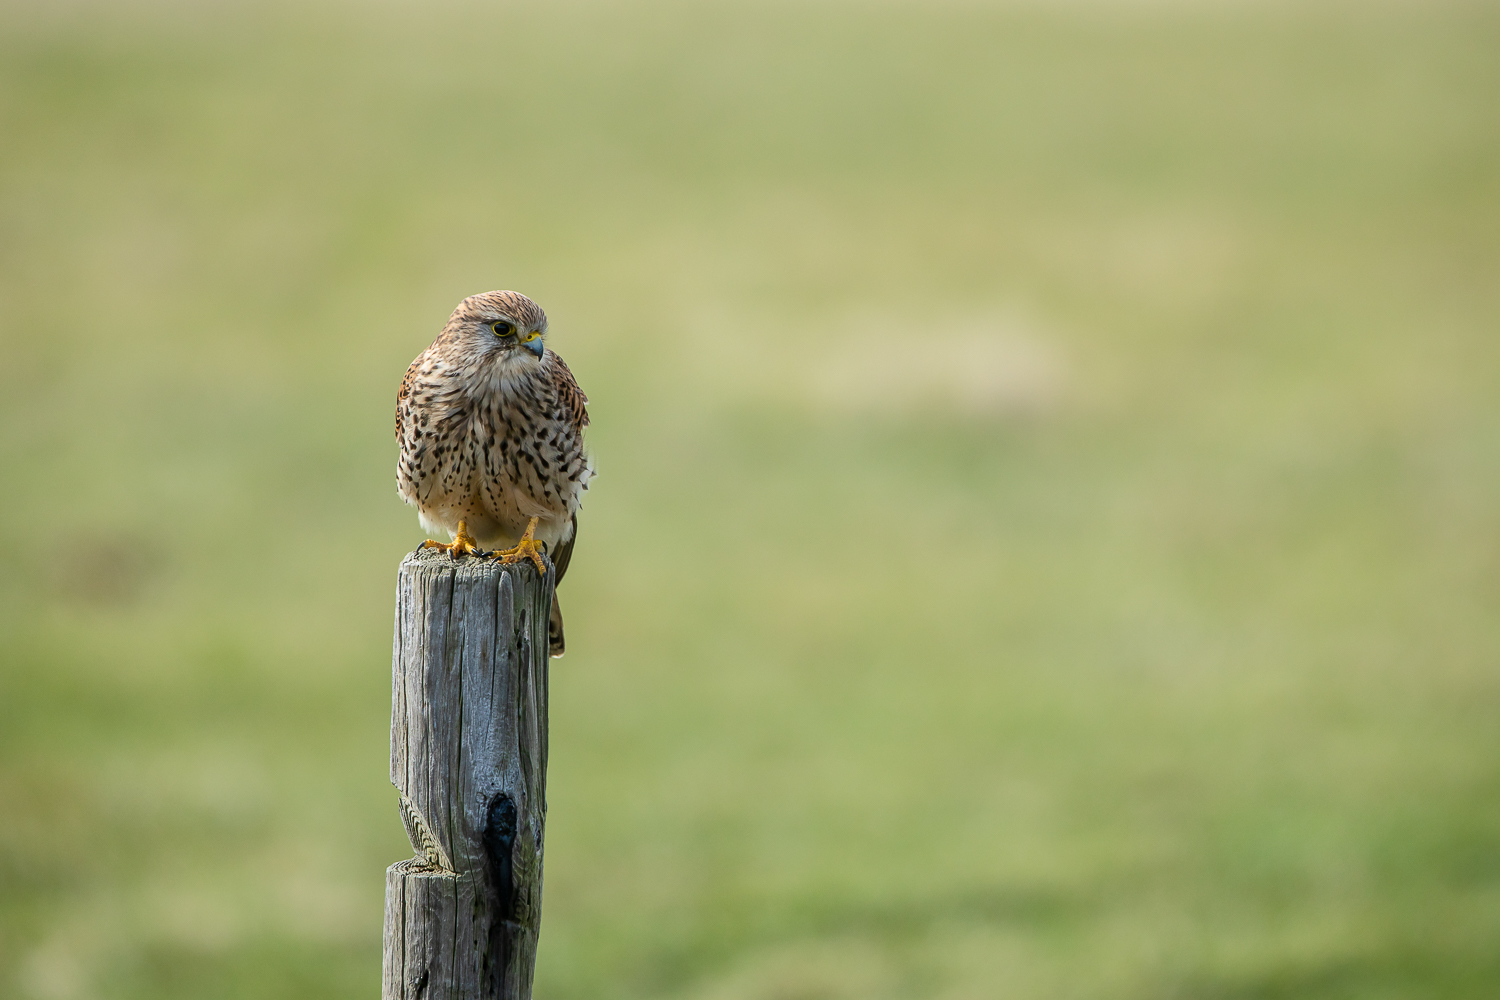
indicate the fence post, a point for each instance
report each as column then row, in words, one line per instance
column 469, row 757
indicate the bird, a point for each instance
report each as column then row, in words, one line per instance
column 490, row 422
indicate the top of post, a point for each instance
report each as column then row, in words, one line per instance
column 428, row 560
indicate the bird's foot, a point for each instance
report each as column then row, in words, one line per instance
column 527, row 548
column 463, row 544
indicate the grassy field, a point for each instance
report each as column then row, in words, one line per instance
column 1048, row 535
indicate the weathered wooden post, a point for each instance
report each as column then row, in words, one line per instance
column 469, row 757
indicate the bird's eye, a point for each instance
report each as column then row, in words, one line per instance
column 503, row 329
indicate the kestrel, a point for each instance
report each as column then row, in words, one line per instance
column 490, row 424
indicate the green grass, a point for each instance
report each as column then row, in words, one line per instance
column 1047, row 538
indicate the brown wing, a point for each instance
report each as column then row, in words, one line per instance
column 574, row 402
column 417, row 465
column 407, row 381
column 575, row 411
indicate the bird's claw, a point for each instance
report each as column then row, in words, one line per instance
column 463, row 545
column 527, row 548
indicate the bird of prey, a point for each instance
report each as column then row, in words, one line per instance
column 490, row 424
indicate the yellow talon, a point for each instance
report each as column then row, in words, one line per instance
column 463, row 544
column 526, row 549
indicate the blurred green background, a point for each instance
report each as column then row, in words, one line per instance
column 1047, row 542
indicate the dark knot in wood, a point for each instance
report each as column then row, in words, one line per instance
column 499, row 846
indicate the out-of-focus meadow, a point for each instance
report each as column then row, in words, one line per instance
column 1047, row 542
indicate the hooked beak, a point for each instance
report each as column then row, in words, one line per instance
column 534, row 344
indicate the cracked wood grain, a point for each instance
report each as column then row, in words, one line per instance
column 469, row 758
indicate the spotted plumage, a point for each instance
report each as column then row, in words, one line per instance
column 490, row 427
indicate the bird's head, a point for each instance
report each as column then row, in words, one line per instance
column 506, row 328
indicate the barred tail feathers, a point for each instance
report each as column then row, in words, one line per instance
column 555, row 629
